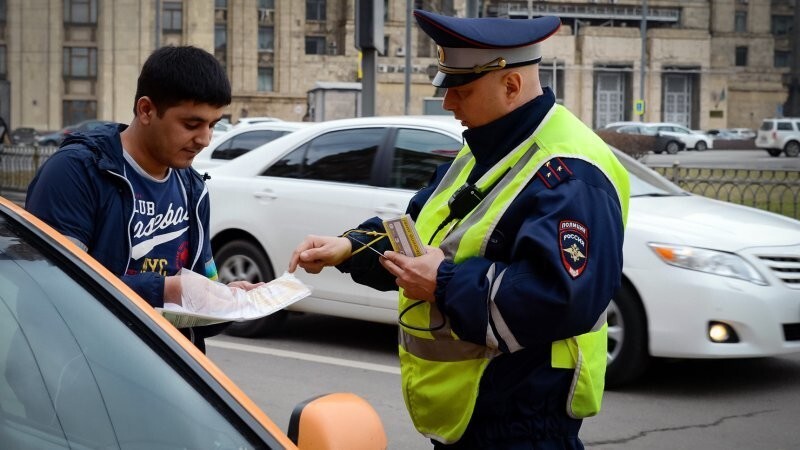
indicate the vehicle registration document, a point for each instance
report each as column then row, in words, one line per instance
column 242, row 305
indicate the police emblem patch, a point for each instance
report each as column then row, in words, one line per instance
column 573, row 241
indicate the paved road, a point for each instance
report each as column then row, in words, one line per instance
column 716, row 404
column 740, row 159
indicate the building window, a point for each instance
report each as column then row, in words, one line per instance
column 265, row 76
column 80, row 62
column 220, row 10
column 315, row 10
column 3, row 72
column 551, row 74
column 266, row 4
column 221, row 42
column 741, row 56
column 783, row 58
column 385, row 46
column 80, row 11
column 172, row 16
column 266, row 39
column 2, row 11
column 74, row 111
column 782, row 25
column 740, row 22
column 315, row 45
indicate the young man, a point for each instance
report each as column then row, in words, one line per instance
column 502, row 323
column 127, row 194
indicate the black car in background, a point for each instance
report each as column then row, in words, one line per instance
column 56, row 137
column 24, row 136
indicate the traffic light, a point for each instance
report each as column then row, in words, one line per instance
column 369, row 25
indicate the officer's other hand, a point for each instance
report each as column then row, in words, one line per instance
column 416, row 275
column 317, row 252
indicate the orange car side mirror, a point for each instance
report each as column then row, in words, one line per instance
column 336, row 421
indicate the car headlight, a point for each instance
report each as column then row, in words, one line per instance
column 708, row 261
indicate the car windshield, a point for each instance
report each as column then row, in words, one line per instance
column 79, row 371
column 645, row 182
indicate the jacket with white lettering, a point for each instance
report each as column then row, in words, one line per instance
column 521, row 395
column 81, row 192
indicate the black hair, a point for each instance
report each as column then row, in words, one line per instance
column 172, row 75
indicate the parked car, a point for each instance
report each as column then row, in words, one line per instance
column 723, row 133
column 693, row 139
column 56, row 137
column 246, row 121
column 220, row 128
column 240, row 140
column 780, row 135
column 743, row 133
column 24, row 136
column 663, row 143
column 732, row 133
column 702, row 278
column 86, row 363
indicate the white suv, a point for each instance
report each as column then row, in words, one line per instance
column 780, row 135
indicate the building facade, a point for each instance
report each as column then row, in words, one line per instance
column 707, row 64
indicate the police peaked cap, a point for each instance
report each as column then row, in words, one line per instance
column 471, row 47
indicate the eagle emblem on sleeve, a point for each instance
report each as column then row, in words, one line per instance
column 573, row 241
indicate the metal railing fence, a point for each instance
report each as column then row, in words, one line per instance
column 772, row 190
column 777, row 191
column 18, row 165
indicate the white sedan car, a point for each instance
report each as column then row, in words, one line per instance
column 693, row 139
column 240, row 140
column 702, row 278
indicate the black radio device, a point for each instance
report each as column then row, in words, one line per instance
column 464, row 200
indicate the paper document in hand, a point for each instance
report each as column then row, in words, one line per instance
column 240, row 305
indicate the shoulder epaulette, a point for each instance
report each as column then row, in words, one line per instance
column 553, row 172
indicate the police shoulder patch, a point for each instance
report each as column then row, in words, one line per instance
column 573, row 241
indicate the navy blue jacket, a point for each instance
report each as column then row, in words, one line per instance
column 521, row 396
column 81, row 192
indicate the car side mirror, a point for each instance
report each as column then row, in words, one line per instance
column 336, row 421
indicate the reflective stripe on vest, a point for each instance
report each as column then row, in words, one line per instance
column 441, row 373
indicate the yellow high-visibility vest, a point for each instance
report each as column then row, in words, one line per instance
column 440, row 372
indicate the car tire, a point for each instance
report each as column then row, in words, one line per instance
column 792, row 148
column 774, row 152
column 672, row 147
column 628, row 356
column 700, row 146
column 244, row 260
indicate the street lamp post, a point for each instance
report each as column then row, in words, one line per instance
column 643, row 62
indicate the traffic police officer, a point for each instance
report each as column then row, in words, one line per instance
column 502, row 321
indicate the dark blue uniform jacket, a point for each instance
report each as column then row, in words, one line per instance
column 521, row 396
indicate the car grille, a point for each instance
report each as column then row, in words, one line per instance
column 791, row 331
column 786, row 268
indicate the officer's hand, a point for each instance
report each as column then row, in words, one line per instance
column 416, row 275
column 317, row 252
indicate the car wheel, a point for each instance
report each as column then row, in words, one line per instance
column 243, row 260
column 774, row 152
column 792, row 148
column 700, row 146
column 627, row 338
column 672, row 147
